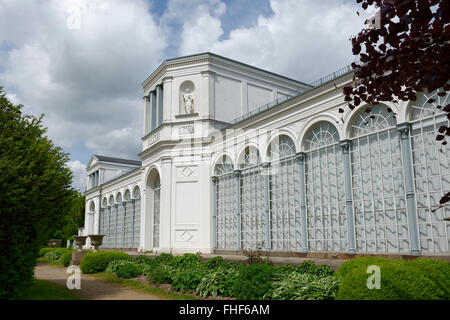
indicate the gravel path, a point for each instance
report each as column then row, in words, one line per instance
column 91, row 288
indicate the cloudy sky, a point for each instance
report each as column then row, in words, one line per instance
column 82, row 62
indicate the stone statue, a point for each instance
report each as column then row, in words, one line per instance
column 188, row 102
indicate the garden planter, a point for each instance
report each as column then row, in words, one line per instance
column 96, row 240
column 80, row 242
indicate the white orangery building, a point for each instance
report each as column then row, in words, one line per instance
column 235, row 157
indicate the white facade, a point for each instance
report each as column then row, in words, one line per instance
column 236, row 157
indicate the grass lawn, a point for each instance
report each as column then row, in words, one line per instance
column 46, row 290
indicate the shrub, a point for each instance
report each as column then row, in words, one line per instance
column 127, row 271
column 437, row 270
column 254, row 281
column 66, row 257
column 218, row 283
column 188, row 260
column 165, row 258
column 185, row 280
column 304, row 286
column 55, row 255
column 214, row 263
column 161, row 273
column 43, row 251
column 143, row 259
column 400, row 280
column 98, row 261
column 115, row 264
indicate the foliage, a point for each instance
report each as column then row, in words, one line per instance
column 98, row 261
column 73, row 219
column 127, row 271
column 254, row 281
column 400, row 280
column 309, row 267
column 218, row 282
column 114, row 265
column 66, row 257
column 185, row 280
column 165, row 258
column 407, row 52
column 304, row 286
column 219, row 262
column 161, row 273
column 55, row 255
column 143, row 259
column 188, row 260
column 43, row 251
column 35, row 184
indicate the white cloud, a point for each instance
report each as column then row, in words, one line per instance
column 79, row 174
column 303, row 39
column 83, row 70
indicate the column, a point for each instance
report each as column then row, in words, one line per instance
column 237, row 175
column 214, row 233
column 147, row 115
column 404, row 130
column 345, row 144
column 153, row 110
column 266, row 172
column 301, row 156
column 159, row 105
column 167, row 99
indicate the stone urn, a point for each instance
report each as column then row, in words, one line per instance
column 53, row 243
column 96, row 240
column 80, row 242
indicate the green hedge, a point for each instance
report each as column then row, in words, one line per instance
column 254, row 281
column 400, row 280
column 98, row 261
column 66, row 257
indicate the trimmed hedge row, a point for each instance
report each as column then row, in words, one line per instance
column 420, row 279
column 98, row 261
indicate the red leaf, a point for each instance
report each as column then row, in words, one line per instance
column 439, row 137
column 341, row 110
column 368, row 109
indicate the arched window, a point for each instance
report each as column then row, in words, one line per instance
column 284, row 219
column 321, row 135
column 379, row 118
column 136, row 193
column 379, row 201
column 421, row 108
column 120, row 223
column 128, row 220
column 324, row 182
column 431, row 161
column 253, row 223
column 111, row 200
column 156, row 211
column 251, row 157
column 136, row 227
column 223, row 166
column 103, row 218
column 226, row 223
column 281, row 147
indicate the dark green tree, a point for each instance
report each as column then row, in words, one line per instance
column 73, row 219
column 35, row 189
